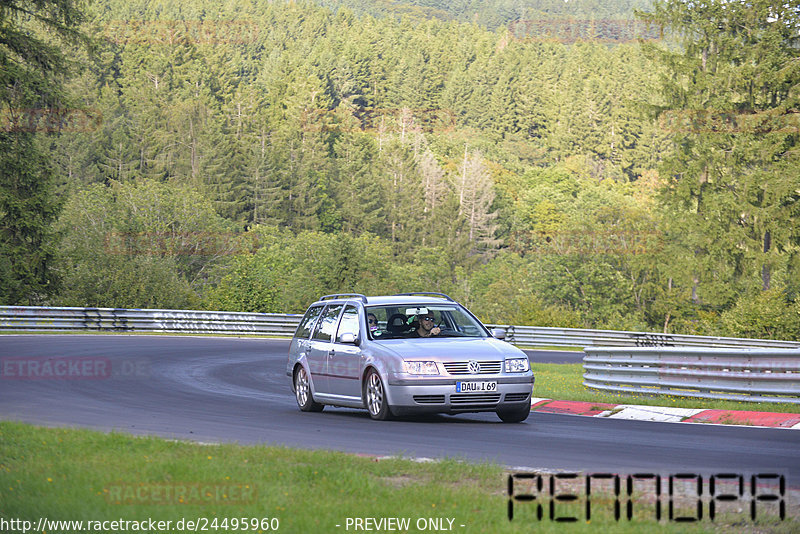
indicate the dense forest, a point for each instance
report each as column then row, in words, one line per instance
column 545, row 162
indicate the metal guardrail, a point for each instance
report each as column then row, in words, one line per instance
column 30, row 318
column 763, row 375
column 580, row 337
column 34, row 318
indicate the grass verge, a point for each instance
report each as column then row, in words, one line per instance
column 565, row 382
column 67, row 474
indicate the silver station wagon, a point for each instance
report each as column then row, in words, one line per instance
column 405, row 354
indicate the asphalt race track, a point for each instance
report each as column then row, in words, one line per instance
column 235, row 390
column 555, row 356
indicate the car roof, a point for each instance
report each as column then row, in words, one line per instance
column 390, row 299
column 407, row 299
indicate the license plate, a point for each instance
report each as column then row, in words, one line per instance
column 475, row 387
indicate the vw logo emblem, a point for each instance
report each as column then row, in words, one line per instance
column 473, row 367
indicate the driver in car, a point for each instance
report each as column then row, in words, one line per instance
column 425, row 326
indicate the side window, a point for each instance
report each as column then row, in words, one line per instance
column 326, row 326
column 307, row 322
column 349, row 322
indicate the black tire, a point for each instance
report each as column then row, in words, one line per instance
column 516, row 415
column 302, row 392
column 375, row 397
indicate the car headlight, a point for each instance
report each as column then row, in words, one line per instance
column 517, row 365
column 420, row 368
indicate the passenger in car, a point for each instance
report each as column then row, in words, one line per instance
column 424, row 326
column 372, row 320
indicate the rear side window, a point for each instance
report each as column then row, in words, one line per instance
column 349, row 322
column 326, row 326
column 307, row 323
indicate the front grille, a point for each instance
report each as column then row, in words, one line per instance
column 429, row 399
column 462, row 368
column 475, row 398
column 516, row 397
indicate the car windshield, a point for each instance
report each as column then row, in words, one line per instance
column 408, row 321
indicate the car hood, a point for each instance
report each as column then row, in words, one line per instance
column 449, row 348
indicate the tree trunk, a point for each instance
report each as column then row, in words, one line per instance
column 766, row 273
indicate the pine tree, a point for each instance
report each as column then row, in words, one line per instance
column 404, row 195
column 32, row 71
column 474, row 189
column 357, row 188
column 732, row 179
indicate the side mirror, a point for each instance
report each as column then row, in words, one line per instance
column 499, row 333
column 349, row 338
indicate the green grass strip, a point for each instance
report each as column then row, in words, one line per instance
column 67, row 474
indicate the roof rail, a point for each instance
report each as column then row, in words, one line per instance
column 345, row 295
column 420, row 293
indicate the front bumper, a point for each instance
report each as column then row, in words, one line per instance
column 436, row 394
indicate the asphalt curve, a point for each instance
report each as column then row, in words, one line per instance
column 235, row 390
